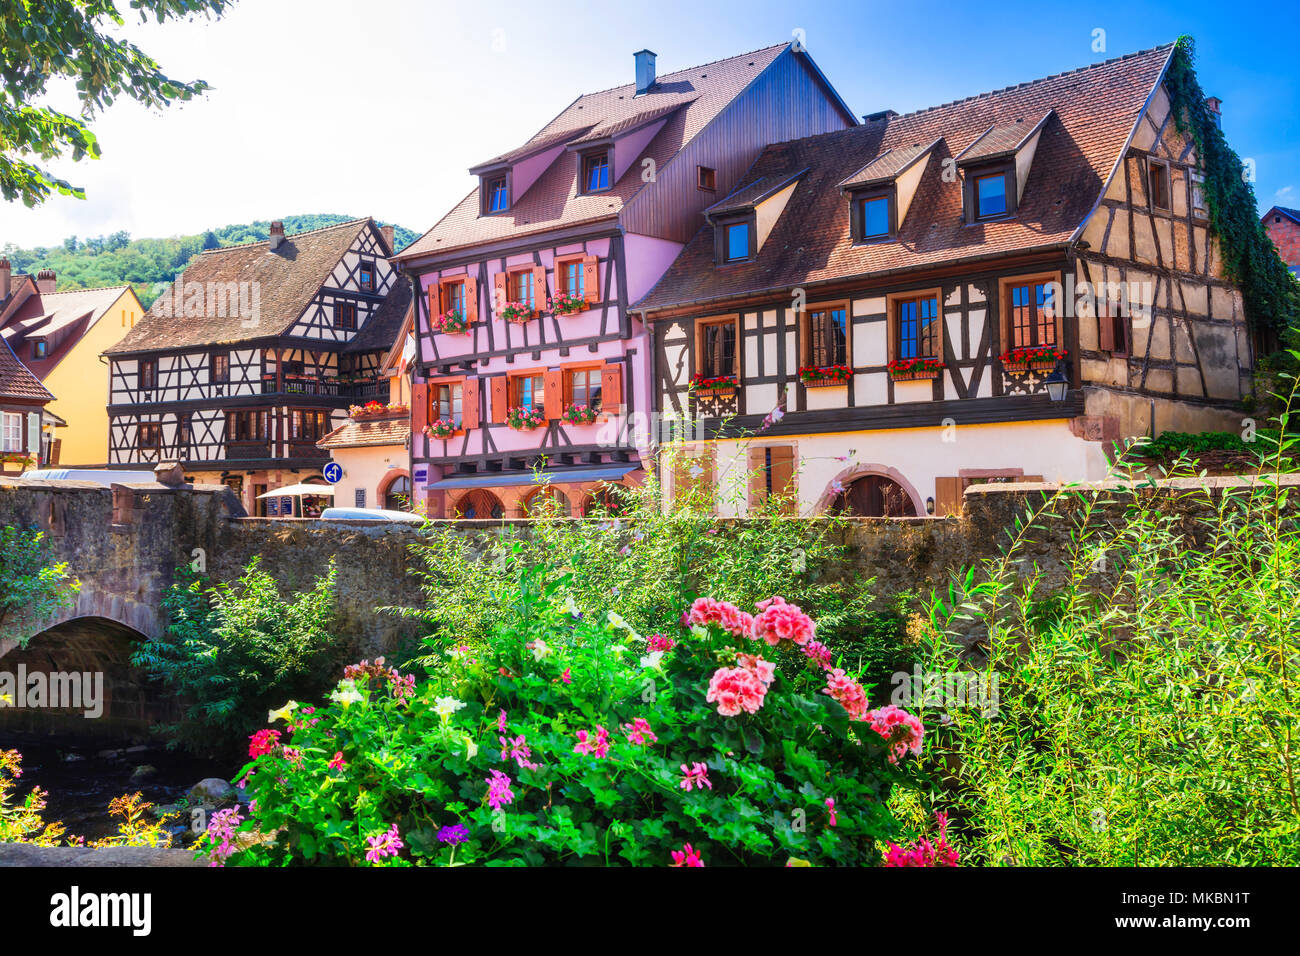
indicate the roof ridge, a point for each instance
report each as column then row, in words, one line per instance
column 1165, row 47
column 685, row 69
column 98, row 288
column 294, row 235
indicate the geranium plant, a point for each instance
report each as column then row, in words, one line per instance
column 517, row 312
column 702, row 383
column 915, row 367
column 1037, row 355
column 569, row 738
column 451, row 322
column 565, row 304
column 525, row 419
column 837, row 374
column 442, row 428
column 580, row 414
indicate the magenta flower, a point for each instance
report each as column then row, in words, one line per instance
column 519, row 751
column 818, row 654
column 923, row 852
column 686, row 856
column 501, row 723
column 903, row 732
column 830, row 806
column 499, row 792
column 596, row 745
column 660, row 642
column 338, row 763
column 639, row 732
column 385, row 845
column 566, row 678
column 695, row 776
column 730, row 618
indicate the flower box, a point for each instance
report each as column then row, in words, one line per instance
column 518, row 313
column 581, row 414
column 524, row 419
column 820, row 377
column 451, row 322
column 377, row 410
column 720, row 383
column 442, row 430
column 565, row 304
column 1035, row 359
column 906, row 370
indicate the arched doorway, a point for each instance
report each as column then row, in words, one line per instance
column 874, row 496
column 603, row 500
column 546, row 501
column 397, row 496
column 478, row 504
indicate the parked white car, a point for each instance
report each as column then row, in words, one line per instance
column 369, row 514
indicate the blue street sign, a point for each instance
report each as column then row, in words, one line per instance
column 333, row 472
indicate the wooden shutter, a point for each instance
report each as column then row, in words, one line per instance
column 611, row 388
column 419, row 408
column 805, row 340
column 1105, row 328
column 757, row 478
column 783, row 477
column 469, row 403
column 471, row 299
column 500, row 293
column 500, row 397
column 590, row 279
column 948, row 496
column 435, row 300
column 539, row 287
column 553, row 384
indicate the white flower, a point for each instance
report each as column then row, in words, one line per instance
column 541, row 649
column 446, row 706
column 346, row 693
column 471, row 749
column 571, row 607
column 284, row 713
column 653, row 661
column 699, row 630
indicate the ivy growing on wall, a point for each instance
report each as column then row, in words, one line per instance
column 1271, row 293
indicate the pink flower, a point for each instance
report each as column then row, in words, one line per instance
column 818, row 654
column 695, row 776
column 639, row 732
column 763, row 670
column 730, row 618
column 519, row 751
column 565, row 677
column 778, row 621
column 901, row 730
column 848, row 692
column 501, row 723
column 736, row 689
column 686, row 856
column 263, row 742
column 830, row 806
column 923, row 852
column 338, row 763
column 499, row 792
column 386, row 844
column 660, row 642
column 593, row 746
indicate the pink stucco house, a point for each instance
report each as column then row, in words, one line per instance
column 529, row 367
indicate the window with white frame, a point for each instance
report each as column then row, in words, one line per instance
column 11, row 432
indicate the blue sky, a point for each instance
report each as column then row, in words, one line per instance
column 378, row 108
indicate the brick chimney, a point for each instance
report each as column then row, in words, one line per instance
column 1213, row 104
column 6, row 273
column 389, row 234
column 645, row 70
column 277, row 235
column 45, row 281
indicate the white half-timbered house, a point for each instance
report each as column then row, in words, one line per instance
column 871, row 321
column 246, row 362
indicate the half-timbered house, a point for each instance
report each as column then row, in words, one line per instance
column 241, row 367
column 529, row 367
column 994, row 288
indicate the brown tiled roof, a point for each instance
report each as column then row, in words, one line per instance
column 753, row 192
column 1001, row 140
column 45, row 314
column 1095, row 107
column 889, row 164
column 553, row 200
column 17, row 381
column 380, row 332
column 369, row 431
column 287, row 278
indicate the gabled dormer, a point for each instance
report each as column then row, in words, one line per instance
column 503, row 180
column 995, row 168
column 881, row 192
column 606, row 151
column 743, row 221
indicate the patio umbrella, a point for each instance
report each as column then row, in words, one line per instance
column 300, row 492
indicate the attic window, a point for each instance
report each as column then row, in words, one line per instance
column 734, row 239
column 706, row 178
column 497, row 195
column 990, row 195
column 367, row 277
column 1199, row 209
column 39, row 349
column 874, row 215
column 345, row 315
column 595, row 172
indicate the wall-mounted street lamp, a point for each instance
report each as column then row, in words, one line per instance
column 1058, row 383
column 929, row 506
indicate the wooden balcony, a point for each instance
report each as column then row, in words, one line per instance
column 248, row 450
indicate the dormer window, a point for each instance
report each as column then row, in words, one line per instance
column 874, row 215
column 995, row 168
column 735, row 240
column 496, row 195
column 991, row 195
column 595, row 172
column 39, row 349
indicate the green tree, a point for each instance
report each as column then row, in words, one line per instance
column 66, row 38
column 32, row 588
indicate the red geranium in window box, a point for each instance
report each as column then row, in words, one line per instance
column 517, row 312
column 565, row 304
column 580, row 414
column 524, row 419
column 1040, row 358
column 901, row 370
column 716, row 383
column 442, row 428
column 813, row 375
column 451, row 322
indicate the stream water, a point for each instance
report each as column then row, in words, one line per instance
column 82, row 775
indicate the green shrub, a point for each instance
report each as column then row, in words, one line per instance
column 523, row 750
column 231, row 650
column 32, row 588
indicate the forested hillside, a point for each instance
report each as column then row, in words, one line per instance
column 144, row 263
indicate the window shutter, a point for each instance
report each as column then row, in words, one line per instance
column 948, row 496
column 500, row 397
column 469, row 403
column 757, row 478
column 553, row 384
column 539, row 287
column 1105, row 328
column 419, row 408
column 435, row 300
column 805, row 339
column 471, row 299
column 500, row 294
column 590, row 279
column 783, row 477
column 611, row 388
